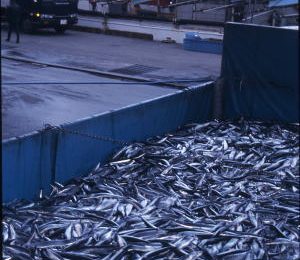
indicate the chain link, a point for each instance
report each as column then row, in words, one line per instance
column 49, row 127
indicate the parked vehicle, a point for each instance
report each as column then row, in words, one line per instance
column 57, row 14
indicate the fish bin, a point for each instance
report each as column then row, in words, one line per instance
column 209, row 172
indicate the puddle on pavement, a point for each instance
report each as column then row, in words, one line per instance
column 16, row 53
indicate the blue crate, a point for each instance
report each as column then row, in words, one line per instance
column 192, row 35
column 201, row 45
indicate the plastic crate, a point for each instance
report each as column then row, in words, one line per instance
column 192, row 35
column 201, row 45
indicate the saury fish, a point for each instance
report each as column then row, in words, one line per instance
column 218, row 190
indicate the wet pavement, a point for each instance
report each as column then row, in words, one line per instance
column 28, row 107
column 106, row 53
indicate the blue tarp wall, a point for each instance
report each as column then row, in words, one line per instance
column 260, row 68
column 32, row 162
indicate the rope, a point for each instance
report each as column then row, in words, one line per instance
column 206, row 79
column 49, row 127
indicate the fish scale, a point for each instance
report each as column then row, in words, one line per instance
column 218, row 190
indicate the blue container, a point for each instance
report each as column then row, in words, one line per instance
column 193, row 35
column 260, row 82
column 33, row 162
column 200, row 45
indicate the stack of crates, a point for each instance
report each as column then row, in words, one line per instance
column 193, row 42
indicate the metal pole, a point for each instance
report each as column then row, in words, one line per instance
column 193, row 10
column 158, row 7
column 252, row 11
column 105, row 20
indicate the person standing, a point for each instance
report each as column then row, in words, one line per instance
column 14, row 15
column 93, row 3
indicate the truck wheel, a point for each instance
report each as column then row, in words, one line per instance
column 27, row 26
column 60, row 29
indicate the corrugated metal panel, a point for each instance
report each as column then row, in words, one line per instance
column 186, row 12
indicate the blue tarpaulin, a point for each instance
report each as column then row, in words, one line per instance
column 279, row 3
column 260, row 66
column 31, row 163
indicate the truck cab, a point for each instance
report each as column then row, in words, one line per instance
column 57, row 14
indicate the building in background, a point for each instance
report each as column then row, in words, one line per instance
column 208, row 12
column 285, row 12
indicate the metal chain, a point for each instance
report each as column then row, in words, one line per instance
column 96, row 137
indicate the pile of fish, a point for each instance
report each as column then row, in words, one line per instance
column 219, row 190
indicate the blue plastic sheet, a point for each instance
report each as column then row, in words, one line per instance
column 260, row 67
column 31, row 163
